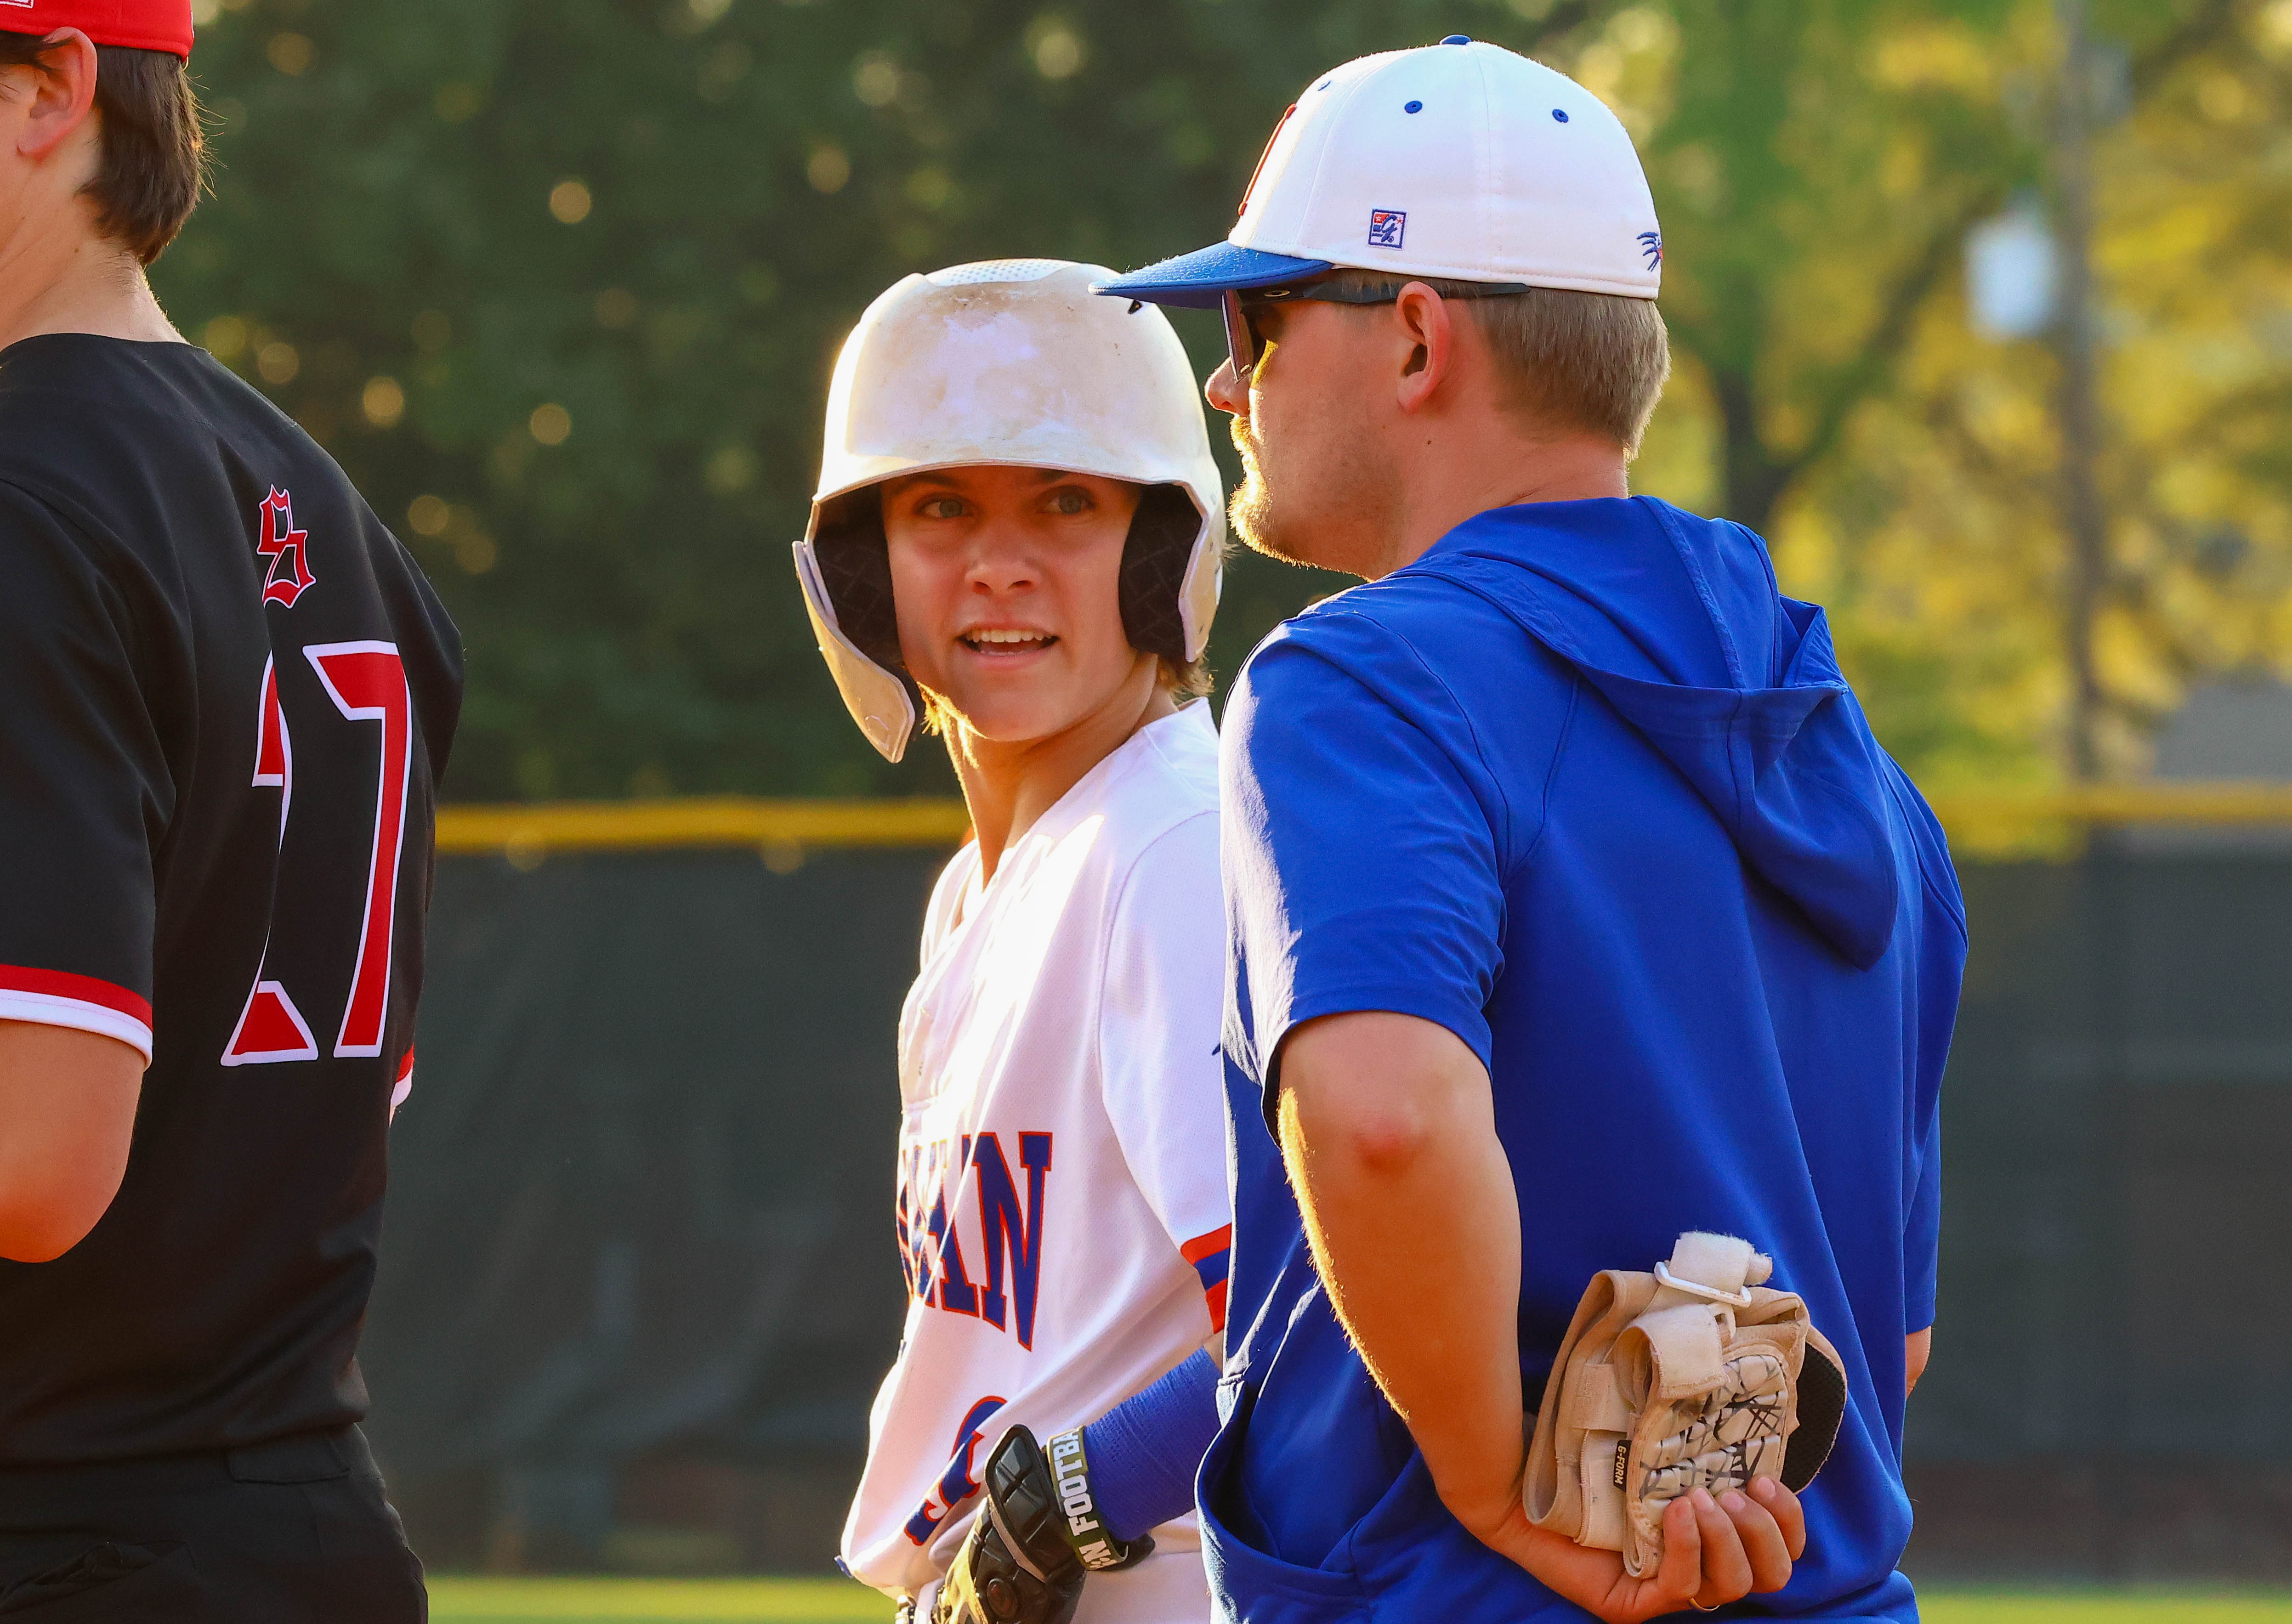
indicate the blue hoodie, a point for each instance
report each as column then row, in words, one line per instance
column 1582, row 786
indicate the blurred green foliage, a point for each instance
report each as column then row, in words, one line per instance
column 559, row 283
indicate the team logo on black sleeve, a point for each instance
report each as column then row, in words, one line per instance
column 287, row 549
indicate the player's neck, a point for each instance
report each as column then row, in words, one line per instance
column 73, row 281
column 1008, row 786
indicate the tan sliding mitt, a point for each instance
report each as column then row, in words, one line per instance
column 1694, row 1375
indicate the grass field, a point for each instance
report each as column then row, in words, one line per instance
column 653, row 1601
column 789, row 1601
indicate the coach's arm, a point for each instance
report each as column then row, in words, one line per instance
column 1388, row 1130
column 67, row 1114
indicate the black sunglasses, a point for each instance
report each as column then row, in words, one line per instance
column 1247, row 345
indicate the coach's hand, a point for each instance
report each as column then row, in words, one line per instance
column 1714, row 1551
column 1388, row 1131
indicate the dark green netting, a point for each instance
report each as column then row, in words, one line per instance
column 640, row 1198
column 638, row 1272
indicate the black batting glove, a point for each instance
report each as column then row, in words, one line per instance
column 1036, row 1539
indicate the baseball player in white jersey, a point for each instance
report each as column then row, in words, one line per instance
column 1017, row 543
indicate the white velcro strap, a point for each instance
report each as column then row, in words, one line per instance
column 1595, row 1403
column 1607, row 1504
column 1686, row 1344
column 1717, row 1268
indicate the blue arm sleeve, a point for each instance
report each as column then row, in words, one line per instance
column 1145, row 1452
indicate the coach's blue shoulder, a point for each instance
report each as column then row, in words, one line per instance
column 1677, row 623
column 1394, row 630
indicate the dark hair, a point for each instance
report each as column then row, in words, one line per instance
column 155, row 152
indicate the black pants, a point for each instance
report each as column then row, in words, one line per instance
column 292, row 1533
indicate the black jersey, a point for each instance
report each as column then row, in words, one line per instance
column 226, row 695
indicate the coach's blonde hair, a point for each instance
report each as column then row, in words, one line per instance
column 1597, row 362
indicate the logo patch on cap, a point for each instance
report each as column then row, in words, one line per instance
column 1386, row 228
column 1651, row 246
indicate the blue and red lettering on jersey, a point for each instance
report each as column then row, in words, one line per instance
column 934, row 1181
column 1208, row 1254
column 959, row 1482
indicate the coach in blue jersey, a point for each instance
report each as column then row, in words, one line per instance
column 1573, row 906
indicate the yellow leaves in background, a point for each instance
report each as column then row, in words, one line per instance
column 1055, row 47
column 876, row 80
column 1931, row 528
column 551, row 424
column 383, row 401
column 291, row 53
column 434, row 519
column 827, row 169
column 569, row 201
column 1630, row 67
column 1941, row 56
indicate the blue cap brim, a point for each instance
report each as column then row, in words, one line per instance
column 1199, row 280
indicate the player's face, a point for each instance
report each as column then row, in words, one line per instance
column 1317, row 487
column 1007, row 583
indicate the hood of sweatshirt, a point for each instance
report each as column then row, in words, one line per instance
column 1677, row 622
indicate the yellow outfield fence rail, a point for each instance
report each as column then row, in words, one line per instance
column 2000, row 820
column 779, row 829
column 2054, row 822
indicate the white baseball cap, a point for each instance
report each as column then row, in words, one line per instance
column 1462, row 160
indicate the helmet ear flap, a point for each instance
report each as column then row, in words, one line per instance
column 855, row 568
column 1154, row 560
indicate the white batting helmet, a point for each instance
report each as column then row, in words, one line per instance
column 1010, row 362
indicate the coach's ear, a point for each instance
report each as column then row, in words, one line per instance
column 1423, row 342
column 67, row 1115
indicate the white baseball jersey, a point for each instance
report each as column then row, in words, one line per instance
column 1064, row 1214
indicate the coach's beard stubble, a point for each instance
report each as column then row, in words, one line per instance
column 1351, row 514
column 1250, row 508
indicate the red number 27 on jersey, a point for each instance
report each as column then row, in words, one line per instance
column 367, row 682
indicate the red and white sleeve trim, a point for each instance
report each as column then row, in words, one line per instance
column 58, row 998
column 402, row 1089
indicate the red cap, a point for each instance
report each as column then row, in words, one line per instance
column 140, row 25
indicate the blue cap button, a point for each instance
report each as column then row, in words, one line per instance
column 1458, row 39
